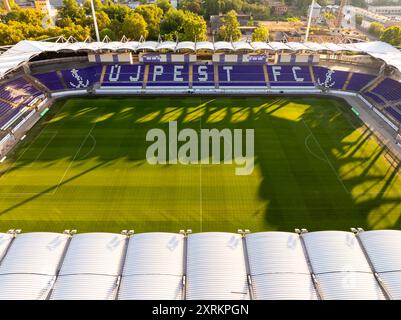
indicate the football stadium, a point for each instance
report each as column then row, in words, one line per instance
column 314, row 213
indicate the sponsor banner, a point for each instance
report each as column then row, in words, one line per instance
column 254, row 58
column 240, row 58
column 153, row 58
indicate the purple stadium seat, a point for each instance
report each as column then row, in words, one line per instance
column 389, row 89
column 50, row 80
column 374, row 97
column 391, row 111
column 168, row 75
column 331, row 79
column 289, row 76
column 82, row 78
column 359, row 80
column 18, row 90
column 203, row 75
column 241, row 75
column 124, row 75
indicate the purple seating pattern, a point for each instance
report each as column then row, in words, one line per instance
column 17, row 90
column 331, row 79
column 203, row 75
column 50, row 80
column 81, row 78
column 391, row 111
column 359, row 80
column 123, row 75
column 389, row 89
column 241, row 75
column 289, row 76
column 374, row 97
column 161, row 75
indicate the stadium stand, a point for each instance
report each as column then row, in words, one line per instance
column 388, row 89
column 82, row 78
column 209, row 265
column 359, row 80
column 328, row 78
column 241, row 75
column 124, row 75
column 168, row 75
column 289, row 76
column 50, row 80
column 203, row 76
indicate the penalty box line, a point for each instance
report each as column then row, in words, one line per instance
column 326, row 157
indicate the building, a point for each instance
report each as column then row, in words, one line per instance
column 279, row 8
column 386, row 10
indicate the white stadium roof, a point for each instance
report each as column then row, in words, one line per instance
column 25, row 50
column 278, row 266
column 210, row 265
column 29, row 268
column 340, row 266
column 216, row 268
column 91, row 267
column 153, row 267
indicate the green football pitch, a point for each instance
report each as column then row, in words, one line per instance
column 83, row 166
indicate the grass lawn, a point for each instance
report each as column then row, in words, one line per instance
column 84, row 167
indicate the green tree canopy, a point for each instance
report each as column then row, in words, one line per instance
column 165, row 5
column 392, row 35
column 184, row 25
column 230, row 31
column 376, row 29
column 30, row 16
column 191, row 5
column 116, row 11
column 358, row 19
column 135, row 26
column 108, row 32
column 87, row 6
column 70, row 9
column 153, row 16
column 261, row 33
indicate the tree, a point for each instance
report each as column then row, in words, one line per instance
column 153, row 16
column 171, row 25
column 87, row 6
column 293, row 19
column 78, row 32
column 116, row 11
column 191, row 5
column 261, row 33
column 376, row 29
column 71, row 9
column 10, row 35
column 109, row 33
column 165, row 5
column 135, row 26
column 358, row 19
column 230, row 31
column 103, row 20
column 184, row 25
column 194, row 27
column 211, row 7
column 30, row 16
column 392, row 35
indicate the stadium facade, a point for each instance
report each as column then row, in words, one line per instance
column 268, row 265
